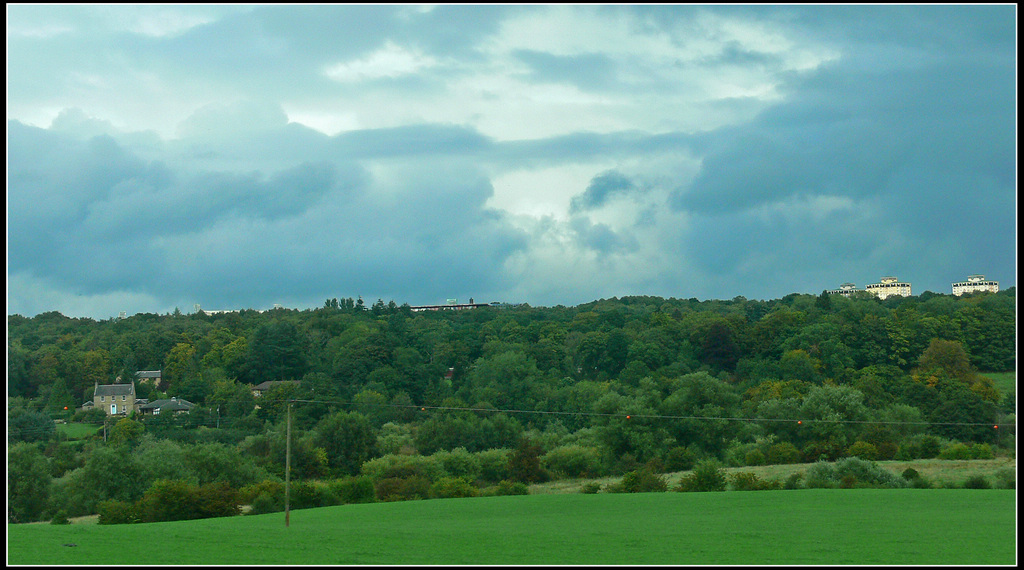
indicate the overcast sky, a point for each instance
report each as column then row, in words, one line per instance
column 241, row 157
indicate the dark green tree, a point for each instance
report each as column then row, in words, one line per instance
column 28, row 483
column 349, row 440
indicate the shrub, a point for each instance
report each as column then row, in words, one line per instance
column 350, row 490
column 640, row 481
column 977, row 482
column 494, row 465
column 848, row 482
column 60, row 518
column 736, row 454
column 175, row 500
column 928, row 447
column 167, row 500
column 524, row 463
column 821, row 475
column 217, row 500
column 863, row 450
column 794, row 481
column 507, row 487
column 822, row 451
column 459, row 463
column 783, row 453
column 402, row 488
column 266, row 503
column 707, row 475
column 573, row 461
column 745, row 481
column 755, row 457
column 886, row 450
column 867, row 473
column 1007, row 478
column 310, row 495
column 982, row 451
column 403, row 466
column 269, row 488
column 920, row 483
column 117, row 512
column 680, row 459
column 453, row 487
column 910, row 474
column 956, row 451
column 919, row 447
column 590, row 488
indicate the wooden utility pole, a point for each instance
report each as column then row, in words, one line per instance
column 287, row 463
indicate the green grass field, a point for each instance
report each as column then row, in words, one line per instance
column 815, row 526
column 77, row 431
column 1005, row 382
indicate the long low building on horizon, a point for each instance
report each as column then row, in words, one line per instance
column 974, row 283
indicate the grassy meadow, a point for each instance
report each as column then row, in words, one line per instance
column 940, row 472
column 812, row 526
column 1005, row 382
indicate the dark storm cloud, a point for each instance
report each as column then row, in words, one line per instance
column 92, row 216
column 919, row 138
column 603, row 187
column 706, row 151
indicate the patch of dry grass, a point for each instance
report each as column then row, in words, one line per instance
column 941, row 472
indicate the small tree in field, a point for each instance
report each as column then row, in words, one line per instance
column 640, row 481
column 708, row 475
column 524, row 463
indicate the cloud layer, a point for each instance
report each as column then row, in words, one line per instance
column 241, row 157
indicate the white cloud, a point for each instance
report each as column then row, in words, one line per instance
column 390, row 61
column 544, row 191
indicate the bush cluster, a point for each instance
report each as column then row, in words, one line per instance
column 639, row 481
column 852, row 472
column 707, row 475
column 174, row 500
column 745, row 481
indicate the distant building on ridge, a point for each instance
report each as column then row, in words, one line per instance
column 888, row 287
column 975, row 283
column 846, row 289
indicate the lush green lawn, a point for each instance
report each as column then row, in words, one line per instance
column 77, row 431
column 1005, row 382
column 815, row 526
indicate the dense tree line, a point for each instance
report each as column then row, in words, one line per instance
column 600, row 388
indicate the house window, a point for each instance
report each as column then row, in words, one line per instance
column 123, row 397
column 113, row 409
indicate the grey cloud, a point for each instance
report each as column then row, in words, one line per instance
column 587, row 71
column 603, row 187
column 600, row 237
column 410, row 140
column 223, row 236
column 221, row 122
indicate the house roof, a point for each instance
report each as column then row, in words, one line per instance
column 115, row 389
column 173, row 404
column 149, row 374
column 266, row 385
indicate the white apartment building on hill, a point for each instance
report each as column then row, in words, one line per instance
column 975, row 283
column 846, row 289
column 889, row 287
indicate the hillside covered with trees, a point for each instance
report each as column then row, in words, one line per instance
column 465, row 399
